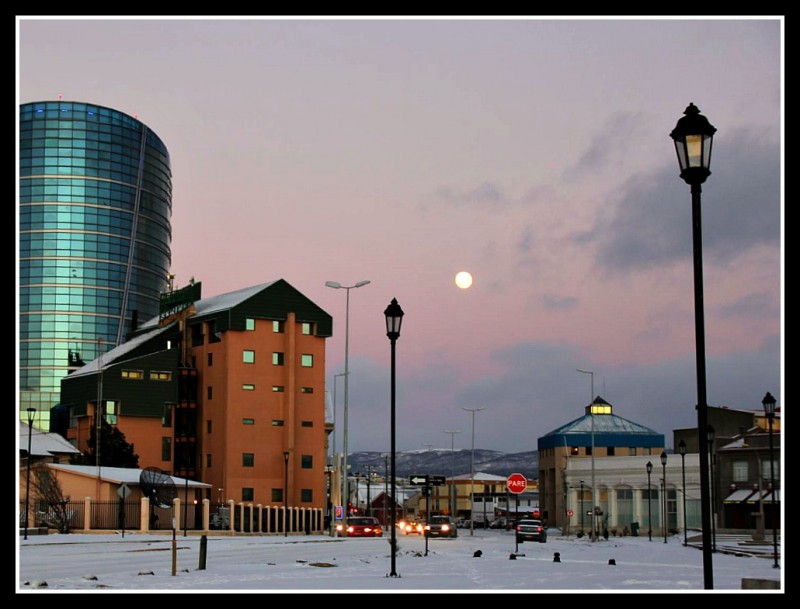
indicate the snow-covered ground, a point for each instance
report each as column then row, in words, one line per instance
column 317, row 564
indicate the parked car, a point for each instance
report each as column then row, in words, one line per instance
column 441, row 526
column 531, row 530
column 361, row 526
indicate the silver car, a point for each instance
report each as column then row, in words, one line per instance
column 531, row 530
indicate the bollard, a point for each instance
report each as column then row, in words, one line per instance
column 203, row 552
column 611, row 561
column 556, row 557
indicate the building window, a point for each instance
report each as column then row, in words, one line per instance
column 249, row 356
column 277, row 388
column 208, row 426
column 277, row 326
column 574, row 450
column 166, row 449
column 306, row 495
column 588, row 451
column 110, row 412
column 766, row 473
column 307, row 328
column 277, row 422
column 248, row 421
column 277, row 495
column 610, row 451
column 739, row 471
column 160, row 375
column 247, row 494
column 248, row 459
column 277, row 358
column 307, row 424
column 306, row 390
column 73, row 419
column 133, row 375
column 306, row 461
column 208, row 460
column 210, row 359
column 632, row 451
column 250, row 324
column 166, row 415
column 209, row 392
column 213, row 335
column 306, row 360
column 248, row 387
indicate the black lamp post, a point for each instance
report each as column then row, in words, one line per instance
column 649, row 467
column 30, row 411
column 664, row 493
column 581, row 507
column 286, row 493
column 693, row 136
column 394, row 319
column 711, row 456
column 682, row 451
column 769, row 410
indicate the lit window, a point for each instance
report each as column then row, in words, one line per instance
column 277, row 326
column 740, row 471
column 160, row 375
column 277, row 388
column 248, row 387
column 307, row 328
column 133, row 374
column 277, row 422
column 111, row 412
column 250, row 324
column 248, row 356
column 277, row 359
column 574, row 450
column 307, row 360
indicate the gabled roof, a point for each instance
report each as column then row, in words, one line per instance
column 120, row 475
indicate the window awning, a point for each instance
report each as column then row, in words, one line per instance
column 768, row 496
column 739, row 495
column 758, row 496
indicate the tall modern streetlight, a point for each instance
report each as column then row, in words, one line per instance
column 664, row 493
column 693, row 136
column 285, row 493
column 591, row 418
column 682, row 451
column 338, row 286
column 582, row 509
column 453, row 505
column 342, row 478
column 394, row 319
column 710, row 432
column 472, row 473
column 769, row 410
column 649, row 467
column 31, row 412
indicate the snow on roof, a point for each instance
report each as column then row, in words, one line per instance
column 121, row 475
column 44, row 444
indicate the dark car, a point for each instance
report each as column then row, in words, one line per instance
column 531, row 530
column 361, row 526
column 441, row 526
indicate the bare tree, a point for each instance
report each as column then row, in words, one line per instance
column 49, row 501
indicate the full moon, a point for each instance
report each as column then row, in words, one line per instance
column 463, row 280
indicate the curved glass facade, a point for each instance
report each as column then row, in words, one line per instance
column 95, row 203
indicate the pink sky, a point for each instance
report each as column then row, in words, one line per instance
column 534, row 153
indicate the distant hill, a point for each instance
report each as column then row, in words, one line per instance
column 443, row 462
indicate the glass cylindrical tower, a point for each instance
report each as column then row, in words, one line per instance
column 95, row 204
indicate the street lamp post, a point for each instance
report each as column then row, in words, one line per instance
column 693, row 136
column 338, row 286
column 285, row 493
column 649, row 467
column 591, row 418
column 581, row 507
column 711, row 458
column 31, row 412
column 472, row 473
column 394, row 319
column 769, row 410
column 682, row 451
column 453, row 506
column 664, row 492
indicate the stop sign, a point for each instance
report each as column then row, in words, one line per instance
column 516, row 483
